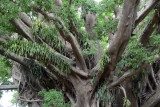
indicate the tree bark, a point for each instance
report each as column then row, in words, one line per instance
column 129, row 93
column 153, row 100
column 83, row 94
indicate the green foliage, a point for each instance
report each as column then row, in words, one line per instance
column 48, row 35
column 69, row 13
column 104, row 42
column 36, row 71
column 104, row 95
column 112, row 25
column 5, row 70
column 104, row 9
column 154, row 40
column 92, row 49
column 53, row 98
column 135, row 54
column 93, row 78
column 14, row 98
column 9, row 10
column 104, row 27
column 90, row 5
column 119, row 72
column 15, row 101
column 127, row 102
column 1, row 93
column 9, row 13
column 105, row 58
column 5, row 25
column 39, row 51
column 47, row 4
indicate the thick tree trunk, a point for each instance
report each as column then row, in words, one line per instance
column 84, row 100
column 83, row 91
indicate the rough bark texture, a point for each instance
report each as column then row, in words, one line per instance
column 153, row 100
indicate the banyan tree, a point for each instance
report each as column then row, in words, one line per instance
column 96, row 54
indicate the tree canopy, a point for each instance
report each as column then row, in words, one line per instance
column 94, row 54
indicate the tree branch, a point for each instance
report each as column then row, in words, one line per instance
column 120, row 40
column 145, row 11
column 126, row 76
column 75, row 46
column 23, row 16
column 95, row 69
column 12, row 57
column 80, row 72
column 123, row 33
column 73, row 29
column 59, row 77
column 58, row 51
column 22, row 28
column 8, row 87
column 31, row 101
column 70, row 38
column 149, row 28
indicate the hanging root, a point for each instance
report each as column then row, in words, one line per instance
column 125, row 95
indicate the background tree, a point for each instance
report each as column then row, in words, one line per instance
column 91, row 52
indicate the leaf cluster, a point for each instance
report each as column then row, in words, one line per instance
column 39, row 51
column 53, row 98
column 49, row 35
column 135, row 54
column 105, row 58
column 35, row 70
column 5, row 70
column 104, row 95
